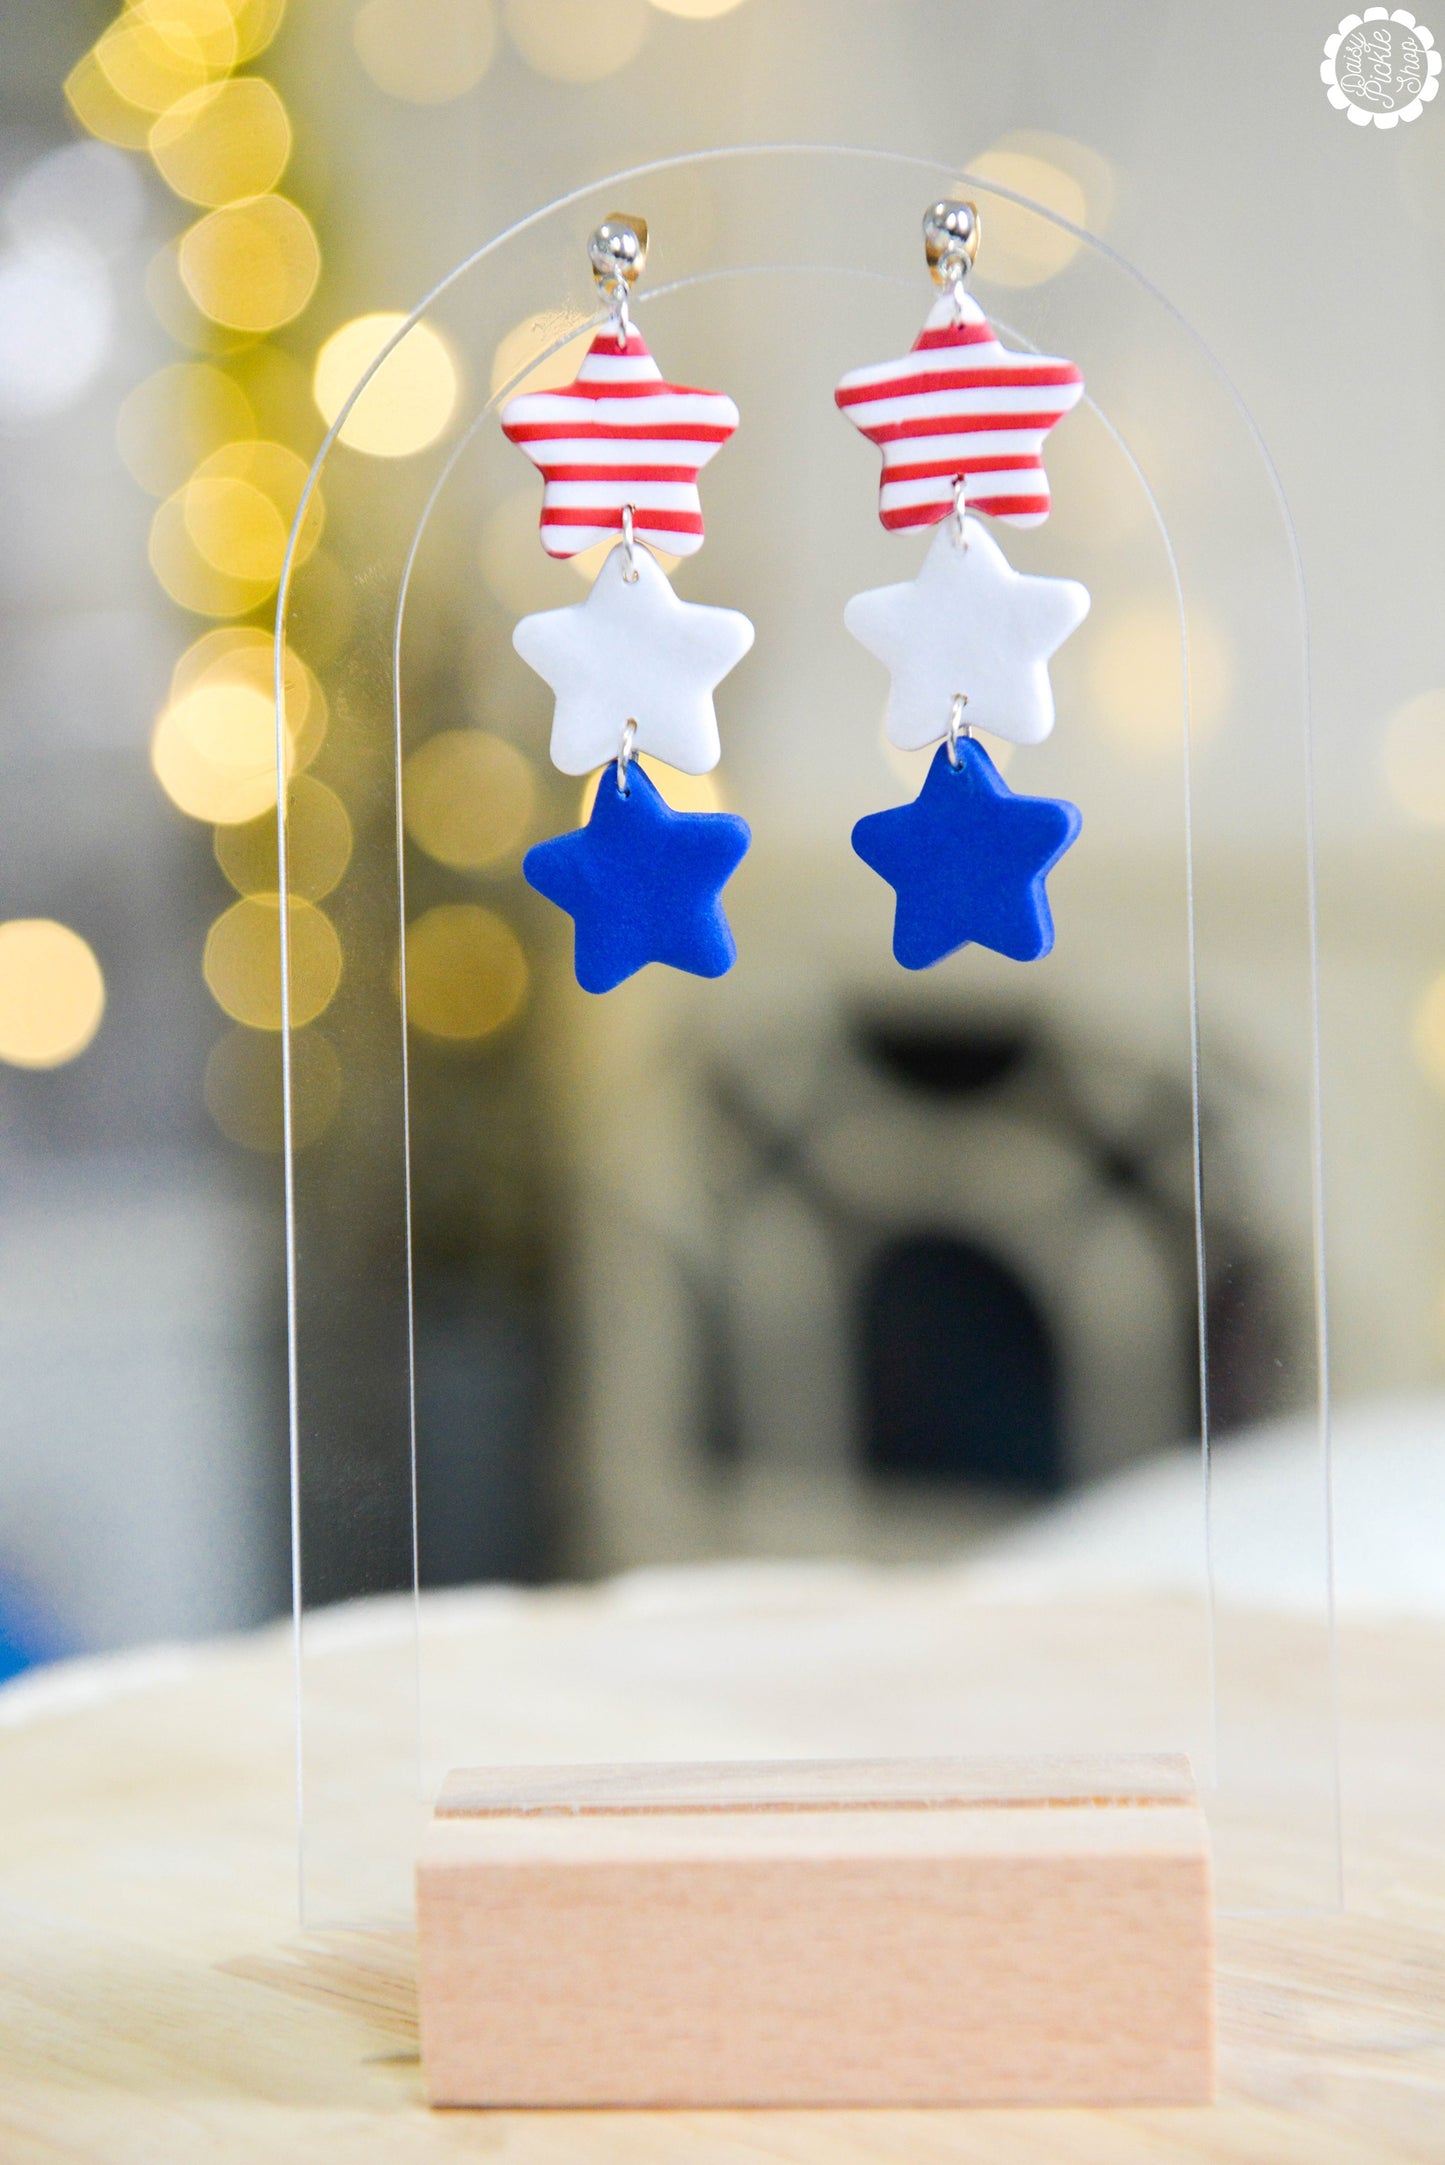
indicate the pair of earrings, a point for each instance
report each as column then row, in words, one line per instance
column 960, row 423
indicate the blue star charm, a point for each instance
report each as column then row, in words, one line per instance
column 643, row 883
column 968, row 860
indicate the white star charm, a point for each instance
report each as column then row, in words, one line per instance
column 632, row 652
column 968, row 623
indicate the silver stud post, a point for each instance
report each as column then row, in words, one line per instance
column 950, row 242
column 617, row 252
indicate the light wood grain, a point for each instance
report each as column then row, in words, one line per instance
column 158, row 2005
column 813, row 1785
column 915, row 1933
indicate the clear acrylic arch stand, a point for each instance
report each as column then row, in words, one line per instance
column 1185, row 957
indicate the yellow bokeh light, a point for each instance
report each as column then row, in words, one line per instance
column 684, row 792
column 517, row 364
column 257, row 22
column 218, row 545
column 244, row 654
column 577, row 41
column 467, row 798
column 1414, row 757
column 100, row 108
column 244, row 1084
column 152, row 60
column 318, row 845
column 52, row 993
column 204, row 26
column 178, row 417
column 188, row 577
column 426, row 51
column 217, row 759
column 236, row 527
column 213, row 751
column 466, row 974
column 1429, row 1032
column 178, row 314
column 251, row 266
column 409, row 400
column 1134, row 669
column 225, row 141
column 242, row 963
column 697, row 11
column 1016, row 247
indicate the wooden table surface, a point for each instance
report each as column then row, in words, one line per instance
column 160, row 2003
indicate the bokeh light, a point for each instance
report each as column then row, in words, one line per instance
column 1414, row 758
column 466, row 974
column 244, row 1088
column 1429, row 1032
column 213, row 751
column 244, row 654
column 100, row 108
column 243, row 961
column 188, row 577
column 1017, row 248
column 52, row 993
column 156, row 51
column 228, row 140
column 467, row 798
column 57, row 325
column 236, row 527
column 696, row 11
column 409, row 400
column 684, row 792
column 426, row 51
column 176, row 312
column 251, row 266
column 577, row 41
column 218, row 544
column 1134, row 673
column 318, row 845
column 85, row 192
column 176, row 418
column 257, row 22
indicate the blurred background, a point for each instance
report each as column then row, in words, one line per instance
column 815, row 1261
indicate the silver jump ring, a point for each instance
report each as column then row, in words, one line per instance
column 621, row 314
column 957, row 727
column 629, row 548
column 960, row 505
column 624, row 757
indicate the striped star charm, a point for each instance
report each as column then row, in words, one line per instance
column 618, row 435
column 960, row 406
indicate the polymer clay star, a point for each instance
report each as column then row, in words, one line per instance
column 634, row 652
column 960, row 406
column 968, row 623
column 967, row 861
column 618, row 436
column 642, row 883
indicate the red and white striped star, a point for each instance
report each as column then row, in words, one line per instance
column 960, row 406
column 619, row 435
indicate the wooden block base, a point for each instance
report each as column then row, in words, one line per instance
column 932, row 1932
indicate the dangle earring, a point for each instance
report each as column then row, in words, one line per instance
column 961, row 422
column 633, row 668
